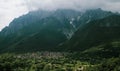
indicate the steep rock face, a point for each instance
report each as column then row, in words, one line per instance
column 75, row 19
column 91, row 15
column 95, row 33
column 36, row 16
column 43, row 30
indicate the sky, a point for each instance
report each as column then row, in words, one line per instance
column 10, row 9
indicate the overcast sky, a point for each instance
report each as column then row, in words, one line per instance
column 10, row 9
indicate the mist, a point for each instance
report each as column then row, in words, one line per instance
column 10, row 9
column 111, row 5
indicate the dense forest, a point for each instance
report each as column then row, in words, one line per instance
column 54, row 61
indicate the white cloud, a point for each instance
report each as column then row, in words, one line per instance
column 9, row 9
column 73, row 4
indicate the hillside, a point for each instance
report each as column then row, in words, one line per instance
column 99, row 38
column 44, row 30
column 63, row 40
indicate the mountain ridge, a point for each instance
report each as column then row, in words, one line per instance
column 32, row 25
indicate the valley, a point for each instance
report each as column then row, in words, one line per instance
column 62, row 40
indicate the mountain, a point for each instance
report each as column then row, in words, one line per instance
column 43, row 30
column 99, row 38
column 94, row 14
column 38, row 30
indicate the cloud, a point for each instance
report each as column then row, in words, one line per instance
column 10, row 9
column 112, row 5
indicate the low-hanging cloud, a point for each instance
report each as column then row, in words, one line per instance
column 10, row 9
column 112, row 5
